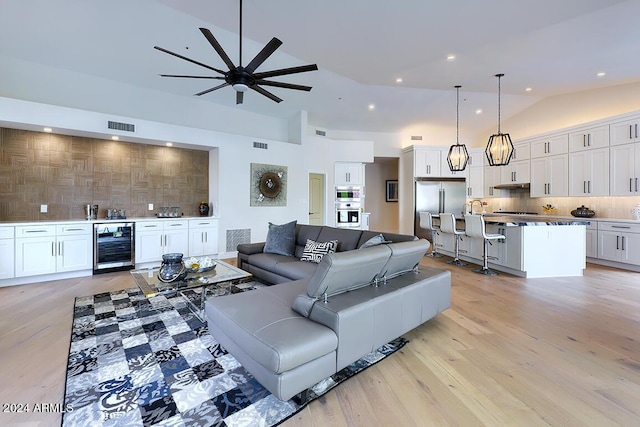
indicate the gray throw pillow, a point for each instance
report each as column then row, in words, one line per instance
column 281, row 239
column 374, row 241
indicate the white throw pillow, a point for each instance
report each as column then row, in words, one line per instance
column 314, row 251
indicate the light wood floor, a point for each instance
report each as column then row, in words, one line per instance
column 509, row 351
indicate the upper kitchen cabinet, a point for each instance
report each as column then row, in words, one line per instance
column 348, row 174
column 491, row 179
column 624, row 132
column 444, row 167
column 426, row 162
column 521, row 151
column 624, row 161
column 549, row 176
column 550, row 146
column 515, row 172
column 589, row 173
column 589, row 139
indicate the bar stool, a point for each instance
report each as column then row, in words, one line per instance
column 426, row 222
column 475, row 227
column 448, row 225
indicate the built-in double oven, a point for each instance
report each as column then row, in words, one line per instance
column 113, row 246
column 348, row 206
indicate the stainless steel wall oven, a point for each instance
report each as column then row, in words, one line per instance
column 113, row 246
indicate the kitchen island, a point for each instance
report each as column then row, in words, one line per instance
column 535, row 246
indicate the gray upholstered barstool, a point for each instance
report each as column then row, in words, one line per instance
column 426, row 222
column 475, row 227
column 448, row 225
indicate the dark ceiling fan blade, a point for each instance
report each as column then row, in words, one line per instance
column 239, row 97
column 209, row 36
column 284, row 85
column 266, row 52
column 188, row 59
column 192, row 77
column 212, row 89
column 284, row 71
column 266, row 93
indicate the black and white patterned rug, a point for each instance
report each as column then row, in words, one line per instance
column 139, row 361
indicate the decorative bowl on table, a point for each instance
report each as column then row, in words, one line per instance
column 199, row 265
column 583, row 212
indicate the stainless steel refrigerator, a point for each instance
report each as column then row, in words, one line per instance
column 437, row 195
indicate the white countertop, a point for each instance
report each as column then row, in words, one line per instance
column 103, row 220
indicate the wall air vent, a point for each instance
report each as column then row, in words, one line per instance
column 127, row 127
column 416, row 138
column 321, row 133
column 236, row 237
column 261, row 145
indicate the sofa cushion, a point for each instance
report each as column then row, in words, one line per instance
column 404, row 257
column 347, row 238
column 263, row 324
column 269, row 261
column 342, row 271
column 393, row 237
column 314, row 251
column 305, row 232
column 378, row 239
column 281, row 239
column 295, row 269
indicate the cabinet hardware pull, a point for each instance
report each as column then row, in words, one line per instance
column 584, row 186
column 636, row 184
column 60, row 248
column 621, row 226
column 53, row 249
column 623, row 243
column 589, row 186
column 636, row 130
column 589, row 140
column 617, row 242
column 630, row 184
column 35, row 231
column 584, row 140
column 630, row 136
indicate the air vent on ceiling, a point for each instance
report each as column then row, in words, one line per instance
column 321, row 132
column 261, row 145
column 127, row 127
column 416, row 138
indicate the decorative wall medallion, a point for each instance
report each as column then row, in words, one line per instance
column 268, row 185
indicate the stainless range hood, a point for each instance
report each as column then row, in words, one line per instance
column 523, row 186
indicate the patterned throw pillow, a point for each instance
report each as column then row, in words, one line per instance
column 314, row 251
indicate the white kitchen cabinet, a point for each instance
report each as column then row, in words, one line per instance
column 589, row 173
column 624, row 169
column 549, row 176
column 476, row 157
column 521, row 151
column 44, row 249
column 589, row 139
column 203, row 237
column 427, row 162
column 444, row 167
column 624, row 132
column 348, row 174
column 619, row 242
column 506, row 252
column 491, row 179
column 550, row 146
column 475, row 182
column 7, row 260
column 592, row 240
column 515, row 172
column 156, row 238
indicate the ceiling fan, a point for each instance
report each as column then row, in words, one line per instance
column 244, row 78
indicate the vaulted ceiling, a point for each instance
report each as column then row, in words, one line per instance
column 362, row 48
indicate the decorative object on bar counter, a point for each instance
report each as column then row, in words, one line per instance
column 583, row 212
column 636, row 212
column 548, row 208
column 172, row 268
column 204, row 208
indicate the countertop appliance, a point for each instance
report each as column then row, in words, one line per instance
column 113, row 246
column 437, row 196
column 348, row 206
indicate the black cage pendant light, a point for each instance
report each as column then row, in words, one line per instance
column 499, row 148
column 458, row 155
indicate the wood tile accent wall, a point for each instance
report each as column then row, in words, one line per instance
column 68, row 172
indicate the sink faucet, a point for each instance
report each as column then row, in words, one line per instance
column 472, row 202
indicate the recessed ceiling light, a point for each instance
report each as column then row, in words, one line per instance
column 601, row 74
column 169, row 144
column 451, row 57
column 399, row 80
column 528, row 89
column 47, row 130
column 372, row 106
column 115, row 138
column 479, row 111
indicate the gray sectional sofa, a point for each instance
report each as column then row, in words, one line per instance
column 274, row 268
column 291, row 335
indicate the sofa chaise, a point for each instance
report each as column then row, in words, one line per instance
column 292, row 335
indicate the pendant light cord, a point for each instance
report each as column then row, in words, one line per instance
column 240, row 59
column 499, row 76
column 458, row 115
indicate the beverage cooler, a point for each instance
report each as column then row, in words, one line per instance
column 349, row 202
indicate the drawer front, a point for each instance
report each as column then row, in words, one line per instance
column 148, row 225
column 176, row 225
column 204, row 223
column 35, row 231
column 7, row 232
column 72, row 229
column 622, row 227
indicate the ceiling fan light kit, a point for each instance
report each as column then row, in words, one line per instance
column 243, row 78
column 499, row 148
column 458, row 155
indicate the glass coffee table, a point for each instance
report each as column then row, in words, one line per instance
column 196, row 287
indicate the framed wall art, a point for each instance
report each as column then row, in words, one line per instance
column 392, row 190
column 268, row 185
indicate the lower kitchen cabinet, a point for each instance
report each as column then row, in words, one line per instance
column 619, row 242
column 7, row 260
column 203, row 237
column 592, row 240
column 156, row 238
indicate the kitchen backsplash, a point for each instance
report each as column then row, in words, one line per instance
column 604, row 207
column 67, row 172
